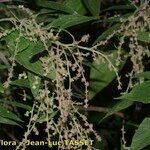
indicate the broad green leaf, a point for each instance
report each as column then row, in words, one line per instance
column 141, row 137
column 53, row 5
column 66, row 21
column 33, row 47
column 76, row 6
column 145, row 75
column 101, row 75
column 119, row 106
column 108, row 32
column 21, row 83
column 7, row 114
column 16, row 42
column 24, row 58
column 144, row 37
column 93, row 6
column 140, row 93
column 35, row 83
column 8, row 121
column 16, row 104
column 25, row 54
column 1, row 88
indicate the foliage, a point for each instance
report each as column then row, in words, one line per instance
column 60, row 58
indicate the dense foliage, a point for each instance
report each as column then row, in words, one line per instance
column 75, row 70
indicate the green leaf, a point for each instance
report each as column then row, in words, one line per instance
column 35, row 83
column 15, row 45
column 144, row 37
column 108, row 32
column 24, row 58
column 101, row 75
column 145, row 75
column 1, row 88
column 66, row 21
column 33, row 47
column 76, row 6
column 141, row 137
column 8, row 121
column 119, row 106
column 53, row 5
column 16, row 104
column 7, row 114
column 140, row 93
column 21, row 83
column 25, row 54
column 93, row 6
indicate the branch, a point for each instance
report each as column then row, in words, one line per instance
column 100, row 109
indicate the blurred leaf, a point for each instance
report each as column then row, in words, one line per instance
column 1, row 88
column 108, row 32
column 8, row 121
column 35, row 83
column 101, row 75
column 16, row 104
column 21, row 82
column 140, row 93
column 53, row 5
column 93, row 6
column 66, row 21
column 144, row 37
column 76, row 6
column 3, row 67
column 145, row 75
column 141, row 137
column 7, row 114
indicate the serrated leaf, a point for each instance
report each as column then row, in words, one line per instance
column 145, row 75
column 53, row 5
column 16, row 104
column 76, row 6
column 93, row 6
column 66, row 21
column 140, row 93
column 101, row 75
column 144, row 37
column 35, row 83
column 8, row 121
column 141, row 137
column 108, row 32
column 21, row 83
column 7, row 114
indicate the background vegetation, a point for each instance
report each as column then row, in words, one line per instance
column 75, row 69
